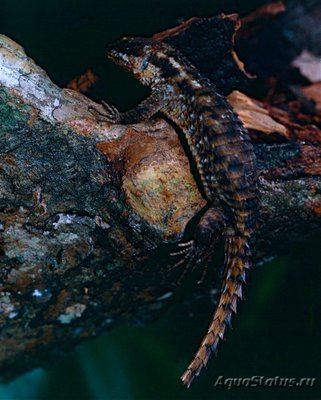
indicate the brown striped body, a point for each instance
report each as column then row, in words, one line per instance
column 223, row 155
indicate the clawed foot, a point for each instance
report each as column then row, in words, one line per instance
column 109, row 113
column 192, row 255
column 199, row 251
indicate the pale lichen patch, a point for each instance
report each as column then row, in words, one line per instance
column 71, row 313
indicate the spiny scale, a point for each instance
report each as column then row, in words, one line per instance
column 224, row 158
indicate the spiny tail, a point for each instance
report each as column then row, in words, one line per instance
column 238, row 255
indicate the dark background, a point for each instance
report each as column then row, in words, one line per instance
column 278, row 330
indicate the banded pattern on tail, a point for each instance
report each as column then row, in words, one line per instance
column 238, row 257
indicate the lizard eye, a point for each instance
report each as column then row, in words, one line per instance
column 144, row 64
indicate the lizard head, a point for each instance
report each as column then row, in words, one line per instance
column 142, row 58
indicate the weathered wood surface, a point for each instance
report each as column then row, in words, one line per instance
column 86, row 208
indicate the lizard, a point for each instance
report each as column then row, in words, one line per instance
column 225, row 162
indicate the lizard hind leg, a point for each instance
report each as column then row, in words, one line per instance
column 198, row 251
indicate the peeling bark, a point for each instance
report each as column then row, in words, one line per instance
column 87, row 208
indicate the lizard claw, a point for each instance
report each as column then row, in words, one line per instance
column 186, row 248
column 108, row 114
column 193, row 255
column 186, row 244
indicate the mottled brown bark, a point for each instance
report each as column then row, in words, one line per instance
column 86, row 209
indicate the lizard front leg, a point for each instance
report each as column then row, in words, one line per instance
column 143, row 111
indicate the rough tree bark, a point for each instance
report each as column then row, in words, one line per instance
column 86, row 208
